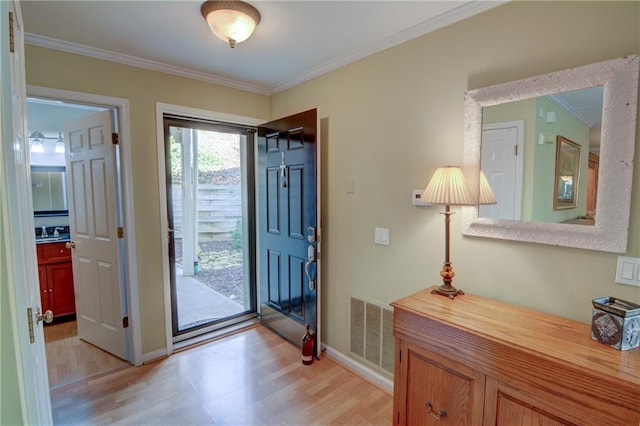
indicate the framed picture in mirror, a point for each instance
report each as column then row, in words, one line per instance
column 567, row 174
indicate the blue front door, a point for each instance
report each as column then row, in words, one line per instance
column 287, row 211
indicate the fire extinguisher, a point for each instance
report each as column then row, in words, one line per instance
column 307, row 347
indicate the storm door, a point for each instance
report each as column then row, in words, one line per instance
column 210, row 193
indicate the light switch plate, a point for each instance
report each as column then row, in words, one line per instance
column 381, row 236
column 628, row 271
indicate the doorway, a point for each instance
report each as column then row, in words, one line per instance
column 69, row 358
column 210, row 211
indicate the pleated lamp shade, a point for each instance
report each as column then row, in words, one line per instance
column 486, row 193
column 448, row 187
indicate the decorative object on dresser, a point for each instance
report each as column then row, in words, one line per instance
column 616, row 323
column 448, row 187
column 485, row 362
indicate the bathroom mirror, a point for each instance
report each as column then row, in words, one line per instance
column 48, row 191
column 619, row 80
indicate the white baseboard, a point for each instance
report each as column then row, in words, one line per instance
column 155, row 355
column 359, row 369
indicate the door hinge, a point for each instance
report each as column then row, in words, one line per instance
column 32, row 338
column 516, row 150
column 12, row 42
column 120, row 232
column 400, row 356
column 115, row 139
column 125, row 322
column 398, row 418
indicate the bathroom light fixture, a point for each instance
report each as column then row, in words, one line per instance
column 36, row 143
column 447, row 187
column 231, row 21
column 60, row 144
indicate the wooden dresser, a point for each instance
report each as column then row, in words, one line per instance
column 485, row 362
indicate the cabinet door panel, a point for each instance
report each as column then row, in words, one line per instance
column 45, row 304
column 512, row 412
column 507, row 405
column 444, row 385
column 61, row 293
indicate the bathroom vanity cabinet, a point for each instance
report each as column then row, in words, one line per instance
column 56, row 279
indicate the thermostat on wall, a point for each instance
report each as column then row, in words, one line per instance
column 416, row 200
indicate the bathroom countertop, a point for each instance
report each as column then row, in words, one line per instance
column 51, row 239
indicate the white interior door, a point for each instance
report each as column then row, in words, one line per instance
column 18, row 264
column 501, row 162
column 93, row 222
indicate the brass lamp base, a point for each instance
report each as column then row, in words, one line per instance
column 447, row 290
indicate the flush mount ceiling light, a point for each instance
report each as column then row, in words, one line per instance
column 231, row 21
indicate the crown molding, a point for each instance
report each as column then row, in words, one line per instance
column 458, row 14
column 106, row 55
column 462, row 12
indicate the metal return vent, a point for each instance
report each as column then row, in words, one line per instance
column 371, row 332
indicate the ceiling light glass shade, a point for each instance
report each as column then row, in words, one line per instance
column 448, row 187
column 231, row 21
column 486, row 193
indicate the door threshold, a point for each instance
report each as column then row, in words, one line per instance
column 215, row 335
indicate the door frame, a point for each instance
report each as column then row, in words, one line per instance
column 126, row 174
column 161, row 109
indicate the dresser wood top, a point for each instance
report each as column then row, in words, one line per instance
column 545, row 335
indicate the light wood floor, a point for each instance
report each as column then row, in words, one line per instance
column 70, row 359
column 250, row 378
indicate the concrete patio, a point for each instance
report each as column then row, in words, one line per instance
column 199, row 303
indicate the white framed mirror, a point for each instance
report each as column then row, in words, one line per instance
column 605, row 226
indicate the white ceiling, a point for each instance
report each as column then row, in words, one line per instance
column 294, row 42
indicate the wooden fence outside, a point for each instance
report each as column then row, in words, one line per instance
column 219, row 210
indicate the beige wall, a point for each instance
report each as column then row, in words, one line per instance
column 394, row 117
column 389, row 120
column 50, row 68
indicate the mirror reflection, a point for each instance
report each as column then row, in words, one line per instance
column 48, row 190
column 541, row 157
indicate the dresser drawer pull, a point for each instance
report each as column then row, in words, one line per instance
column 439, row 415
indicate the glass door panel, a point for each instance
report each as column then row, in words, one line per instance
column 208, row 193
